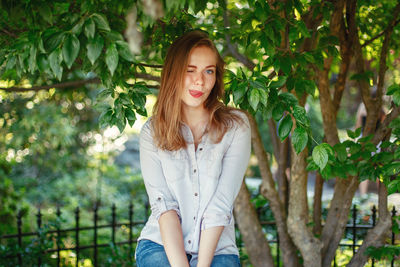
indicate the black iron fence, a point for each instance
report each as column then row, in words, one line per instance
column 57, row 234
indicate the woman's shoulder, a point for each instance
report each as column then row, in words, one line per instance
column 243, row 120
column 147, row 129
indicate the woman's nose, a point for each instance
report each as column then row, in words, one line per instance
column 199, row 79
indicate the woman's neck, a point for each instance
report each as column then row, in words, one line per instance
column 195, row 117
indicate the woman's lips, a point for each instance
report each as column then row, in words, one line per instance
column 195, row 93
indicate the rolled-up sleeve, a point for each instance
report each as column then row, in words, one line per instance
column 234, row 164
column 160, row 197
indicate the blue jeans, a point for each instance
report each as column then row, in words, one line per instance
column 151, row 254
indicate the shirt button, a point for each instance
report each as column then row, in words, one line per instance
column 194, row 218
column 159, row 198
column 195, row 194
column 200, row 148
column 194, row 170
column 189, row 241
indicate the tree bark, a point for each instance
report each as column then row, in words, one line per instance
column 251, row 231
column 375, row 237
column 309, row 246
column 281, row 174
column 337, row 217
column 317, row 205
column 268, row 190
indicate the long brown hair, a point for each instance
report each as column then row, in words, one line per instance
column 167, row 115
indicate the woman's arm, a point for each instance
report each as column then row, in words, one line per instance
column 208, row 243
column 164, row 206
column 172, row 237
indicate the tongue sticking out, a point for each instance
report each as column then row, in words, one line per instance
column 195, row 93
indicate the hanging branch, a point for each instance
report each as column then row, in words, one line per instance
column 233, row 48
column 48, row 87
column 75, row 84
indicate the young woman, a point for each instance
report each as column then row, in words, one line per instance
column 193, row 152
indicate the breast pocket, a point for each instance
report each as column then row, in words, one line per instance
column 174, row 164
column 214, row 163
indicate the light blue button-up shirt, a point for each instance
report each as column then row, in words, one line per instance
column 200, row 185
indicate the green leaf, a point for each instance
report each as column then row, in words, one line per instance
column 94, row 47
column 396, row 98
column 11, row 61
column 105, row 117
column 285, row 126
column 130, row 116
column 254, row 98
column 299, row 139
column 278, row 111
column 303, row 29
column 393, row 187
column 54, row 41
column 355, row 134
column 112, row 58
column 55, row 59
column 392, row 89
column 32, row 59
column 341, row 152
column 90, row 28
column 101, row 22
column 45, row 13
column 278, row 83
column 286, row 65
column 320, row 156
column 263, row 96
column 77, row 29
column 299, row 113
column 239, row 92
column 288, row 99
column 70, row 49
column 124, row 51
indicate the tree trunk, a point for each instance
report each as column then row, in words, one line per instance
column 281, row 174
column 337, row 217
column 375, row 237
column 309, row 246
column 268, row 190
column 317, row 205
column 250, row 228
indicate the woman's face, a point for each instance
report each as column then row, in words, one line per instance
column 199, row 78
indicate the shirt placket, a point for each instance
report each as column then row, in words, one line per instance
column 195, row 182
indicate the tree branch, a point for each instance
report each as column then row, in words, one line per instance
column 9, row 33
column 382, row 59
column 345, row 51
column 47, row 87
column 149, row 77
column 233, row 48
column 377, row 36
column 149, row 65
column 384, row 129
column 73, row 84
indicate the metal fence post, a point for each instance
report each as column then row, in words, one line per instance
column 39, row 225
column 58, row 213
column 95, row 236
column 113, row 223
column 393, row 235
column 373, row 225
column 19, row 227
column 77, row 236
